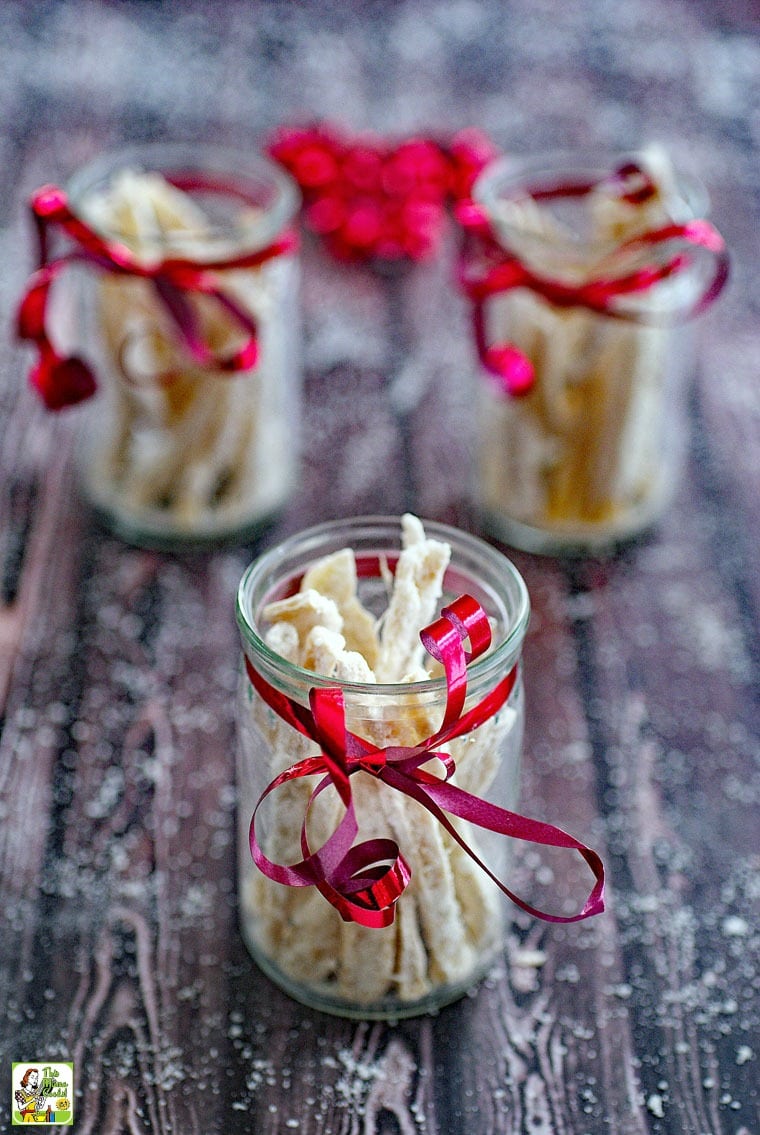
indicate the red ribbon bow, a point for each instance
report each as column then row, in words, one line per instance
column 364, row 881
column 487, row 269
column 62, row 381
column 369, row 198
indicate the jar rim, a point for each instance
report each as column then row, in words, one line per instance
column 252, row 177
column 492, row 665
column 508, row 173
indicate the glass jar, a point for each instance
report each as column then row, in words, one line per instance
column 600, row 276
column 450, row 921
column 192, row 438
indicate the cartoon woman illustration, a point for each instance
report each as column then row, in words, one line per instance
column 29, row 1096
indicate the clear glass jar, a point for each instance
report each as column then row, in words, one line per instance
column 590, row 456
column 450, row 921
column 179, row 451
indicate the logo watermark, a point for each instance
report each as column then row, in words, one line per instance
column 42, row 1092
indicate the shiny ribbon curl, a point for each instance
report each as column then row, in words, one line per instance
column 62, row 381
column 364, row 881
column 487, row 269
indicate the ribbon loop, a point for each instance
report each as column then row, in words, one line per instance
column 364, row 881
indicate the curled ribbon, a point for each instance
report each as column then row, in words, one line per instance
column 487, row 269
column 62, row 381
column 364, row 881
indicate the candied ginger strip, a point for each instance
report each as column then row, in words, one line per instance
column 335, row 577
column 417, row 589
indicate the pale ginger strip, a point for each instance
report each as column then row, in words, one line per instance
column 324, row 652
column 638, row 476
column 139, row 349
column 199, row 473
column 589, row 502
column 305, row 610
column 478, row 896
column 417, row 589
column 410, row 979
column 335, row 576
column 207, row 416
column 282, row 816
column 351, row 666
column 302, row 940
column 439, row 930
column 308, row 944
column 566, row 478
column 157, row 458
column 561, row 403
column 514, row 454
column 282, row 638
column 321, row 649
column 303, row 925
column 287, row 810
column 410, row 974
column 563, row 338
column 478, row 755
column 194, row 459
column 522, row 214
column 615, row 380
column 231, row 423
column 286, row 746
column 250, row 452
column 230, row 484
column 146, row 211
column 239, row 481
column 532, row 231
column 525, row 442
column 367, row 957
column 279, row 906
column 450, row 955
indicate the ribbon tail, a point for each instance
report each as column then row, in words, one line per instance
column 185, row 318
column 504, row 362
column 482, row 814
column 58, row 380
column 293, row 714
column 182, row 311
column 246, row 357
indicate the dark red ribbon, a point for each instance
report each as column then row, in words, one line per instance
column 62, row 381
column 487, row 269
column 364, row 881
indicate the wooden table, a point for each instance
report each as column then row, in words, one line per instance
column 120, row 949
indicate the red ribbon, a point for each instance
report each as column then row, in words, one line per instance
column 487, row 269
column 62, row 381
column 371, row 199
column 364, row 881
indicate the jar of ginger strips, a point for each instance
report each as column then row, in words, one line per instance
column 187, row 314
column 585, row 272
column 355, row 896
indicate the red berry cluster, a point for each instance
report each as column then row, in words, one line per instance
column 370, row 199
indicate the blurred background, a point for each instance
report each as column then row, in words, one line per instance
column 79, row 76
